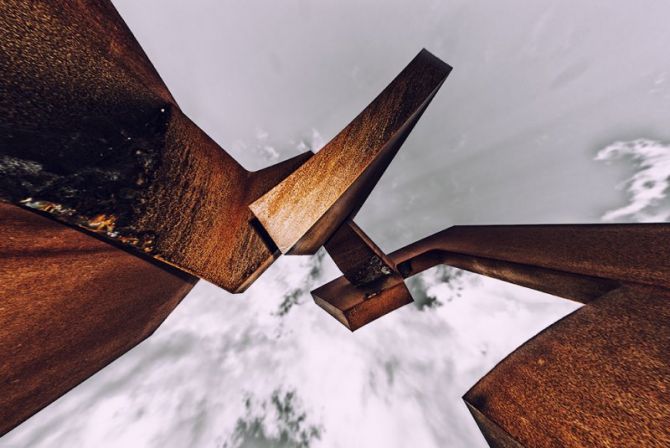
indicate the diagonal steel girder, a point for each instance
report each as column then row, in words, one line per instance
column 304, row 210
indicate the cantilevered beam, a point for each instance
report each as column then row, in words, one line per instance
column 577, row 262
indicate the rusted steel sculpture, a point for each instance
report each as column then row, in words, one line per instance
column 115, row 203
column 145, row 201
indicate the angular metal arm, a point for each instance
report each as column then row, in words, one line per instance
column 304, row 210
column 578, row 262
column 597, row 377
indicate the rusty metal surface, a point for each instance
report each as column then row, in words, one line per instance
column 71, row 303
column 577, row 262
column 627, row 252
column 580, row 288
column 495, row 436
column 354, row 300
column 598, row 377
column 357, row 256
column 305, row 209
column 90, row 134
column 355, row 307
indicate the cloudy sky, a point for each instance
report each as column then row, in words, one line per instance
column 556, row 111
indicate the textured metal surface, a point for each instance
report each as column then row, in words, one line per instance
column 303, row 211
column 90, row 135
column 357, row 256
column 598, row 377
column 625, row 252
column 71, row 304
column 495, row 436
column 355, row 307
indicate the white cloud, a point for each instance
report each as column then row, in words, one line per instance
column 647, row 189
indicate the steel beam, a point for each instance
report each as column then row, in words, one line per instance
column 303, row 211
column 578, row 262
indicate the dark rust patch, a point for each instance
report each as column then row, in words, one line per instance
column 99, row 182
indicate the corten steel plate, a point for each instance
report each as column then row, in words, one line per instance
column 626, row 252
column 357, row 256
column 304, row 210
column 599, row 377
column 71, row 304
